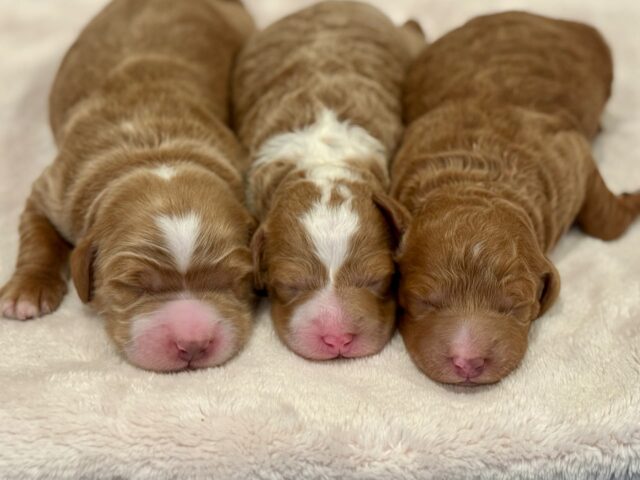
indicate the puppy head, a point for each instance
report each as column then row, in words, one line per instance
column 166, row 262
column 325, row 254
column 471, row 284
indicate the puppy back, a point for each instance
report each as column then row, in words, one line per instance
column 519, row 59
column 347, row 57
column 175, row 36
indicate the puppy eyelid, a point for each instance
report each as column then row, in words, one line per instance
column 512, row 308
column 430, row 305
column 424, row 304
column 137, row 290
column 373, row 284
column 505, row 309
column 292, row 290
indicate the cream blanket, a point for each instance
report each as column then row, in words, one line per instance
column 70, row 408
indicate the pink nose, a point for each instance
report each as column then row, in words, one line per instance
column 339, row 343
column 468, row 367
column 192, row 350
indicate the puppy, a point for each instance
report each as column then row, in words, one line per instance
column 147, row 185
column 317, row 101
column 494, row 168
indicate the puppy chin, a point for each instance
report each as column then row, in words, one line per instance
column 465, row 349
column 323, row 328
column 307, row 343
column 181, row 334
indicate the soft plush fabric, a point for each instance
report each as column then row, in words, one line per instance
column 71, row 408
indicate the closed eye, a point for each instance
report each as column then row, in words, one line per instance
column 517, row 310
column 379, row 286
column 426, row 306
column 147, row 280
column 210, row 279
column 291, row 291
column 139, row 290
column 425, row 303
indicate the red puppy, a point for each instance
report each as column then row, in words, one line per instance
column 494, row 168
column 147, row 185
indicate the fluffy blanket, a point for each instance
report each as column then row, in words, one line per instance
column 71, row 408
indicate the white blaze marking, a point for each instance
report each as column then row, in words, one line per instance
column 322, row 150
column 330, row 228
column 181, row 234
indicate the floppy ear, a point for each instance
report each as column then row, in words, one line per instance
column 82, row 258
column 257, row 251
column 395, row 214
column 550, row 287
column 241, row 262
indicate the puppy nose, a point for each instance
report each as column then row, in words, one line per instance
column 338, row 342
column 192, row 350
column 468, row 367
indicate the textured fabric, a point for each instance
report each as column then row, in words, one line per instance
column 70, row 408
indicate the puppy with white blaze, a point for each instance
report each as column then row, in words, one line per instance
column 147, row 186
column 317, row 102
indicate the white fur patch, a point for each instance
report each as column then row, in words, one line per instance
column 322, row 149
column 181, row 234
column 323, row 303
column 166, row 172
column 477, row 248
column 344, row 191
column 330, row 228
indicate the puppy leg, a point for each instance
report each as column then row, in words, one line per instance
column 38, row 283
column 606, row 215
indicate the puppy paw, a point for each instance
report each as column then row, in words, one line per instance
column 28, row 296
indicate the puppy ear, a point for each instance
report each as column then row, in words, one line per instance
column 395, row 214
column 241, row 263
column 257, row 251
column 82, row 258
column 550, row 287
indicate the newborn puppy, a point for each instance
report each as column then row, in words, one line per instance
column 147, row 185
column 317, row 101
column 494, row 168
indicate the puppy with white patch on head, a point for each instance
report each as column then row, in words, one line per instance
column 317, row 102
column 147, row 185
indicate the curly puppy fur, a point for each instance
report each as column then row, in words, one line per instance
column 494, row 168
column 148, row 181
column 317, row 99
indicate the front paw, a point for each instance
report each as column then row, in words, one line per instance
column 31, row 295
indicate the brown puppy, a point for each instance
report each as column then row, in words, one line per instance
column 317, row 101
column 494, row 168
column 148, row 186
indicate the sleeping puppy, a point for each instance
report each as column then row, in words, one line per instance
column 317, row 101
column 147, row 185
column 494, row 168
